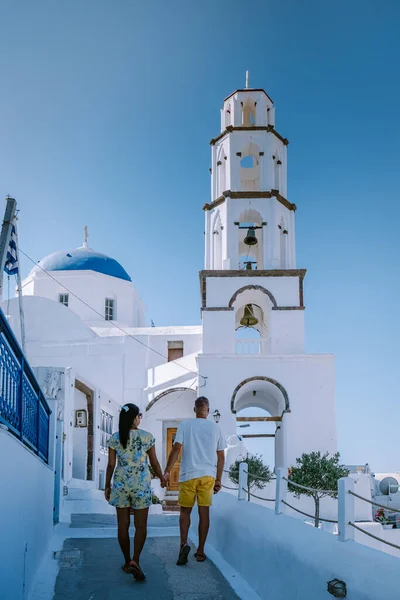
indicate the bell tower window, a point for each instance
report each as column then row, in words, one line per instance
column 250, row 169
column 283, row 234
column 277, row 171
column 228, row 116
column 248, row 113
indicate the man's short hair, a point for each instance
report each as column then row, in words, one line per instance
column 201, row 402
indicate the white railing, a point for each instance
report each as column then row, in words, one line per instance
column 251, row 347
column 345, row 494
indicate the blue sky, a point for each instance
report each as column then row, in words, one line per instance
column 106, row 113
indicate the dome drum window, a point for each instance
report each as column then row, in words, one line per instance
column 109, row 313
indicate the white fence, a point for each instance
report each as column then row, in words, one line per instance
column 348, row 529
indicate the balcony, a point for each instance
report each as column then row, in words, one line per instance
column 248, row 346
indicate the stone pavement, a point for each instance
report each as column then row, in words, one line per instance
column 90, row 570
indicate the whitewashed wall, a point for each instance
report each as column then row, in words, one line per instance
column 281, row 557
column 308, row 381
column 26, row 516
column 93, row 288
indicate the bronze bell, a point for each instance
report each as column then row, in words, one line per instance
column 248, row 319
column 250, row 239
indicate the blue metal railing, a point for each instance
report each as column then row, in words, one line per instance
column 23, row 407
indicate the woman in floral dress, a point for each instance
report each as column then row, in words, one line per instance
column 133, row 448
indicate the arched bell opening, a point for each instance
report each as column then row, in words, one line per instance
column 250, row 168
column 252, row 316
column 251, row 240
column 248, row 113
column 277, row 170
column 283, row 243
column 221, row 172
column 228, row 115
column 216, row 242
column 259, row 404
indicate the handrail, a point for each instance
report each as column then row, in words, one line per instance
column 15, row 347
column 258, row 497
column 374, row 503
column 253, row 476
column 374, row 536
column 303, row 487
column 23, row 407
column 307, row 515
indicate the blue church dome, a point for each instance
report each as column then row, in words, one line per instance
column 82, row 259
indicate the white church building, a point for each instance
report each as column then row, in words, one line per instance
column 88, row 340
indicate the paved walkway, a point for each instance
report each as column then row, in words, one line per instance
column 90, row 570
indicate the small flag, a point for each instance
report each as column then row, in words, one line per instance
column 11, row 266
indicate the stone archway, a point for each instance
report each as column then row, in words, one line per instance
column 253, row 287
column 166, row 392
column 261, row 378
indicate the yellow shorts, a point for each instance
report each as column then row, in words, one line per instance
column 201, row 488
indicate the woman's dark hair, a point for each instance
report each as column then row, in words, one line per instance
column 128, row 414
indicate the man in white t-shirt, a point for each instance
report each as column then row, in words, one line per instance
column 201, row 470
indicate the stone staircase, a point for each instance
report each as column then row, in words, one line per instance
column 86, row 500
column 170, row 503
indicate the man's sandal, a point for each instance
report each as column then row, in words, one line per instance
column 200, row 557
column 183, row 555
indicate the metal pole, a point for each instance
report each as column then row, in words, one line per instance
column 243, row 479
column 10, row 212
column 20, row 301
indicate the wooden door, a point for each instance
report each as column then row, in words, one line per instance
column 174, row 476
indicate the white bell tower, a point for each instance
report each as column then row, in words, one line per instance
column 249, row 187
column 252, row 292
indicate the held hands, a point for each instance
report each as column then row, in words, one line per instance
column 165, row 479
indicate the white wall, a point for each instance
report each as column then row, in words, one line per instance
column 26, row 516
column 281, row 557
column 105, row 356
column 308, row 381
column 221, row 289
column 93, row 288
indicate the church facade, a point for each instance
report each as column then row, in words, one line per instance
column 87, row 337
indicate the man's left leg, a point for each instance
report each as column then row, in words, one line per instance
column 204, row 500
column 187, row 496
column 204, row 525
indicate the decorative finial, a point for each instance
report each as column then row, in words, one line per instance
column 247, row 80
column 85, row 243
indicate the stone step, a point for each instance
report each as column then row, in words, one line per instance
column 172, row 508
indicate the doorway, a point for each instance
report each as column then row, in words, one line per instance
column 174, row 476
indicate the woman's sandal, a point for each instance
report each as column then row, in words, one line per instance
column 136, row 571
column 125, row 568
column 200, row 557
column 183, row 555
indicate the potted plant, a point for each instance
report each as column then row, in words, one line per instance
column 383, row 519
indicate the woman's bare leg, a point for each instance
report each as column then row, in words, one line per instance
column 124, row 518
column 140, row 532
